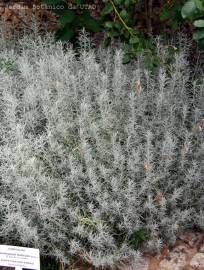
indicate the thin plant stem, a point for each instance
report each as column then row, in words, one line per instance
column 121, row 19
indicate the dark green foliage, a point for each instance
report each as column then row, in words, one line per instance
column 49, row 264
column 194, row 11
column 172, row 16
column 122, row 26
column 137, row 238
column 133, row 22
column 71, row 21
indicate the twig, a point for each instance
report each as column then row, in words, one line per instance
column 150, row 16
column 120, row 18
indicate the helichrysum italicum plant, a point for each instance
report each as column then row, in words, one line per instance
column 96, row 154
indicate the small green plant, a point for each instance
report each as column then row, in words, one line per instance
column 117, row 16
column 7, row 65
column 137, row 238
column 88, row 222
column 194, row 11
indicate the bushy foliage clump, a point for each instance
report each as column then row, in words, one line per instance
column 95, row 154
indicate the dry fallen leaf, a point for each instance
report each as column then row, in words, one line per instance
column 147, row 166
column 138, row 87
column 158, row 198
column 199, row 126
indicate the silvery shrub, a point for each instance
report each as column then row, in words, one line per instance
column 94, row 152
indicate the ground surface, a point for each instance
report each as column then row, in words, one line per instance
column 187, row 254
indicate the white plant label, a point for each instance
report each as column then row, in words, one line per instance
column 19, row 258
